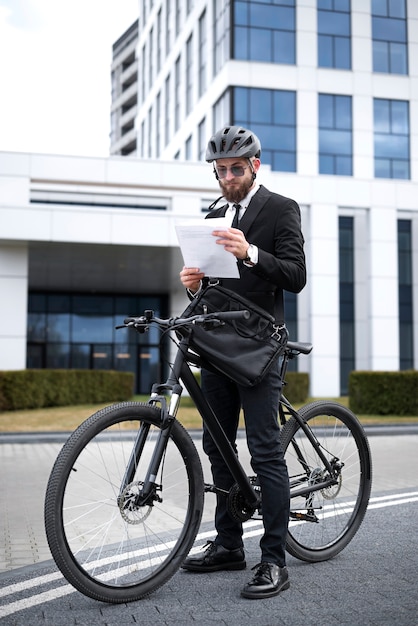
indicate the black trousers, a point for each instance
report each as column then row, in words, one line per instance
column 260, row 407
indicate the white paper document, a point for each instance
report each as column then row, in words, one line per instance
column 199, row 248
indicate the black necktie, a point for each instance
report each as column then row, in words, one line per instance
column 235, row 221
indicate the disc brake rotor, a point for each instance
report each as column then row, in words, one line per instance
column 129, row 510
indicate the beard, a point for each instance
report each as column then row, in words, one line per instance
column 236, row 193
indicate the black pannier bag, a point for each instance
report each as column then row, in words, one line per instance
column 244, row 349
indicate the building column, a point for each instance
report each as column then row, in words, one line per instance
column 323, row 283
column 383, row 289
column 13, row 309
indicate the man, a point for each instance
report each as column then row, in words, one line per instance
column 266, row 239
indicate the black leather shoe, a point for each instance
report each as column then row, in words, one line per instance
column 269, row 580
column 215, row 558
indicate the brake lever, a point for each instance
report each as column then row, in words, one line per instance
column 209, row 324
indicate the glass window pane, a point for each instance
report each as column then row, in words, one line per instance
column 148, row 368
column 326, row 111
column 325, row 51
column 380, row 56
column 241, row 104
column 124, row 359
column 267, row 16
column 261, row 106
column 400, row 169
column 381, row 116
column 400, row 122
column 58, row 355
column 333, row 23
column 89, row 328
column 382, row 168
column 125, row 306
column 34, row 356
column 240, row 43
column 58, row 303
column 344, row 165
column 398, row 58
column 58, row 328
column 268, row 158
column 284, row 161
column 94, row 305
column 397, row 8
column 379, row 7
column 342, row 5
column 124, row 335
column 392, row 146
column 335, row 142
column 326, row 164
column 342, row 53
column 343, row 112
column 37, row 303
column 278, row 137
column 241, row 13
column 284, row 47
column 102, row 357
column 284, row 107
column 36, row 327
column 80, row 356
column 389, row 30
column 260, row 45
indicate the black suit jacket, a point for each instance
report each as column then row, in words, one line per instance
column 272, row 223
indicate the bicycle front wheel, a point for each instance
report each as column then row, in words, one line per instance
column 109, row 544
column 322, row 522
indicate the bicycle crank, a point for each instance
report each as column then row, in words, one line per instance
column 238, row 507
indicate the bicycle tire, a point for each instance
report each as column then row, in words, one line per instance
column 323, row 523
column 107, row 551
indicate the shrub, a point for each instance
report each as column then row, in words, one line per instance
column 384, row 393
column 296, row 389
column 32, row 389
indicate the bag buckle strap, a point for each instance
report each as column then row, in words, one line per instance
column 277, row 331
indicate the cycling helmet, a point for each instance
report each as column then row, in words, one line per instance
column 233, row 141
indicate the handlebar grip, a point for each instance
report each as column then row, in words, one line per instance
column 233, row 315
column 135, row 321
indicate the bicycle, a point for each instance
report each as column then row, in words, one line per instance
column 125, row 497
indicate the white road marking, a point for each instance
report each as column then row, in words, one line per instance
column 254, row 529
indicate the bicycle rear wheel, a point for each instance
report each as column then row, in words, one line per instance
column 107, row 545
column 323, row 522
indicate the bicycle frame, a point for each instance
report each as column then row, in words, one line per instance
column 182, row 370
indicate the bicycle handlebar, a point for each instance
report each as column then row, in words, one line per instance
column 211, row 320
column 214, row 319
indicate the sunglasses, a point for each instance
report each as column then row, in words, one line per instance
column 236, row 170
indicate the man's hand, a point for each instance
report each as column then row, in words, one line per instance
column 233, row 241
column 191, row 277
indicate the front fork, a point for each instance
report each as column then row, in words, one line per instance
column 147, row 494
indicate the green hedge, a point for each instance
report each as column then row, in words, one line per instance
column 384, row 393
column 296, row 389
column 32, row 389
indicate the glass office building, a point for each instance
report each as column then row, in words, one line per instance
column 325, row 84
column 330, row 87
